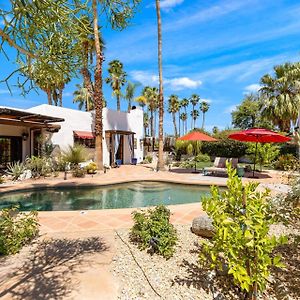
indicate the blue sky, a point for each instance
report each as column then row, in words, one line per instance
column 217, row 49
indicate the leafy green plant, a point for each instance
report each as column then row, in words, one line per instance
column 78, row 172
column 202, row 158
column 91, row 168
column 152, row 230
column 266, row 153
column 287, row 162
column 15, row 169
column 16, row 229
column 75, row 154
column 148, row 159
column 241, row 245
column 39, row 166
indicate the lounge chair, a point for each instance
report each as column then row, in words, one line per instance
column 220, row 166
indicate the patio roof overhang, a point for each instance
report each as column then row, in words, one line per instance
column 124, row 132
column 14, row 117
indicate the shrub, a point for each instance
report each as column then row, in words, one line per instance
column 287, row 162
column 224, row 148
column 148, row 159
column 266, row 153
column 78, row 172
column 15, row 169
column 152, row 230
column 202, row 158
column 91, row 168
column 241, row 245
column 75, row 154
column 39, row 166
column 16, row 229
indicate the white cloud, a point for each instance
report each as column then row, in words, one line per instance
column 177, row 84
column 146, row 78
column 252, row 88
column 166, row 4
column 181, row 83
column 206, row 100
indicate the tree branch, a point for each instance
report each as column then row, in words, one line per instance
column 6, row 38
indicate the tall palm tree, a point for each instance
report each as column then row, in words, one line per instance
column 173, row 109
column 142, row 101
column 116, row 79
column 160, row 164
column 179, row 112
column 146, row 123
column 83, row 98
column 194, row 101
column 195, row 115
column 98, row 92
column 129, row 92
column 204, row 107
column 183, row 118
column 151, row 96
column 281, row 95
column 185, row 103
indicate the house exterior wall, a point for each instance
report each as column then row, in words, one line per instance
column 84, row 121
column 7, row 130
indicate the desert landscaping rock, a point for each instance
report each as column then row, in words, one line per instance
column 202, row 226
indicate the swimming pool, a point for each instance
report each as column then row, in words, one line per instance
column 131, row 194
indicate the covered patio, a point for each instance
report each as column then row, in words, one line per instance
column 21, row 132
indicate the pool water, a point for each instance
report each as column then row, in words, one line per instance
column 132, row 194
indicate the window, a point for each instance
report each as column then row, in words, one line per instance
column 89, row 143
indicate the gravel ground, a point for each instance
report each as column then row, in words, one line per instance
column 180, row 277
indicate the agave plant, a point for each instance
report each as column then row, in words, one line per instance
column 15, row 169
column 75, row 154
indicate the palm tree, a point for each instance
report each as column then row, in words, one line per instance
column 98, row 92
column 204, row 106
column 129, row 92
column 173, row 109
column 145, row 123
column 183, row 118
column 160, row 164
column 83, row 98
column 142, row 101
column 179, row 108
column 151, row 96
column 194, row 100
column 281, row 95
column 116, row 79
column 185, row 103
column 195, row 115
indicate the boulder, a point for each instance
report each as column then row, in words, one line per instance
column 202, row 226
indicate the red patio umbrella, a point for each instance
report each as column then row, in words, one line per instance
column 197, row 136
column 258, row 135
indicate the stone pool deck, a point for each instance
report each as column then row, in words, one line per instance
column 72, row 257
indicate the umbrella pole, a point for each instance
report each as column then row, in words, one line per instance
column 255, row 158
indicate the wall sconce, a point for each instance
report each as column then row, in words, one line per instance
column 24, row 136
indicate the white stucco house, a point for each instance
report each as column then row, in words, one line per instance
column 19, row 129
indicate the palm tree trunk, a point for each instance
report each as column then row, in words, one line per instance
column 129, row 105
column 160, row 163
column 118, row 102
column 203, row 120
column 98, row 93
column 178, row 123
column 192, row 119
column 60, row 95
column 175, row 126
column 152, row 128
column 49, row 97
